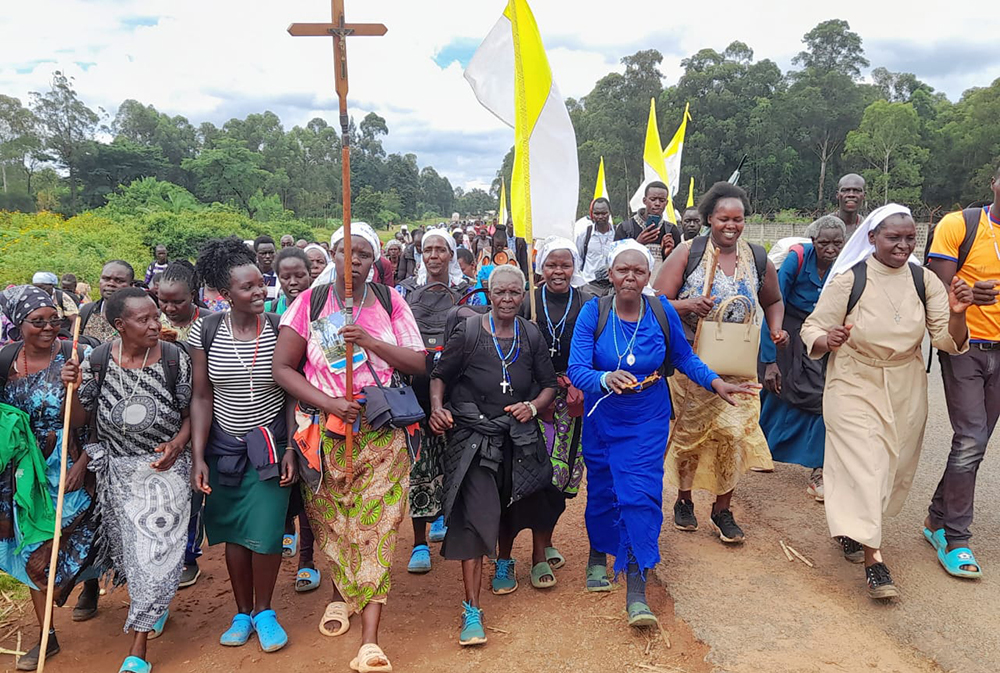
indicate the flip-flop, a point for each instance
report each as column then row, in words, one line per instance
column 270, row 635
column 368, row 653
column 554, row 558
column 540, row 570
column 135, row 665
column 335, row 612
column 307, row 579
column 952, row 561
column 597, row 579
column 935, row 538
column 289, row 545
column 639, row 614
column 158, row 627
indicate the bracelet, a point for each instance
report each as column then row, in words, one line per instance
column 534, row 410
column 604, row 381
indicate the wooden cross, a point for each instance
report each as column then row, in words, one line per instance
column 340, row 30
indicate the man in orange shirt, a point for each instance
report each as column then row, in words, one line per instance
column 967, row 244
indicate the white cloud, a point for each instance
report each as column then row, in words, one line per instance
column 213, row 59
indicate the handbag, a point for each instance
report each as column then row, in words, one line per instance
column 730, row 349
column 396, row 406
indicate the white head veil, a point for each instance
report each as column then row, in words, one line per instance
column 455, row 275
column 314, row 246
column 357, row 229
column 631, row 244
column 554, row 243
column 858, row 248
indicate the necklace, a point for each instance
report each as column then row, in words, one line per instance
column 506, row 360
column 896, row 317
column 629, row 344
column 557, row 331
column 356, row 315
column 256, row 349
column 193, row 319
column 24, row 352
column 121, row 381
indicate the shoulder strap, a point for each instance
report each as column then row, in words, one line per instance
column 473, row 326
column 317, row 300
column 800, row 255
column 86, row 311
column 667, row 368
column 274, row 320
column 860, row 271
column 695, row 254
column 8, row 354
column 170, row 354
column 209, row 328
column 384, row 296
column 603, row 311
column 586, row 245
column 99, row 359
column 971, row 216
column 529, row 328
column 760, row 261
column 917, row 272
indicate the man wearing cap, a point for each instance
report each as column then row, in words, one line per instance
column 65, row 306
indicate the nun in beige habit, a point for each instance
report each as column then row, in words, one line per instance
column 875, row 400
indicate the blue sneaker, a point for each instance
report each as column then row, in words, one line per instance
column 472, row 626
column 158, row 627
column 438, row 530
column 504, row 581
column 239, row 632
column 420, row 560
column 269, row 632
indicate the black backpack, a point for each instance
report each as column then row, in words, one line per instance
column 211, row 323
column 697, row 252
column 320, row 294
column 860, row 271
column 86, row 311
column 971, row 217
column 9, row 353
column 170, row 354
column 430, row 306
column 654, row 305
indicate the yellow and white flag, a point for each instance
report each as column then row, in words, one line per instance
column 654, row 168
column 510, row 76
column 502, row 214
column 601, row 188
column 690, row 203
column 672, row 155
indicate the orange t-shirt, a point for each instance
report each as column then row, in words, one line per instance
column 983, row 263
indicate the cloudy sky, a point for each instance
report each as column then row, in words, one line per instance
column 211, row 60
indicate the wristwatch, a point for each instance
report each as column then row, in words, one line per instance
column 534, row 411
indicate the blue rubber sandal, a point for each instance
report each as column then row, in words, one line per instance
column 158, row 627
column 952, row 561
column 239, row 632
column 289, row 545
column 420, row 560
column 135, row 665
column 307, row 579
column 270, row 635
column 935, row 538
column 438, row 530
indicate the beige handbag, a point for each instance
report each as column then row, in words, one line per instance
column 728, row 348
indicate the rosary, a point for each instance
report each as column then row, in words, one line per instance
column 556, row 331
column 506, row 360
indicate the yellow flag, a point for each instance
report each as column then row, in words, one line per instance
column 690, row 203
column 502, row 215
column 601, row 188
column 653, row 165
column 672, row 154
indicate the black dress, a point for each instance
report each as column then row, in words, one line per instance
column 480, row 505
column 557, row 308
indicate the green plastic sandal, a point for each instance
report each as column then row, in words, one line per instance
column 597, row 579
column 540, row 570
column 639, row 614
column 554, row 558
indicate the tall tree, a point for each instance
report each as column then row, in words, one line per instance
column 887, row 140
column 228, row 173
column 68, row 124
column 832, row 47
column 18, row 134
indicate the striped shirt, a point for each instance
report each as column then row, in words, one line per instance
column 229, row 363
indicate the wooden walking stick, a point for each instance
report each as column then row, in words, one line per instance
column 57, row 529
column 340, row 30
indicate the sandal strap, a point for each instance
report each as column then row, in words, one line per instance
column 371, row 651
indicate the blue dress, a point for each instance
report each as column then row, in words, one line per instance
column 794, row 434
column 625, row 436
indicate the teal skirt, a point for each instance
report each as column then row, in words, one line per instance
column 251, row 515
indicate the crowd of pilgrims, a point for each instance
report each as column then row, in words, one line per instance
column 210, row 403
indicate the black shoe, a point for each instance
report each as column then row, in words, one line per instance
column 880, row 585
column 29, row 662
column 725, row 525
column 189, row 575
column 853, row 551
column 86, row 605
column 684, row 518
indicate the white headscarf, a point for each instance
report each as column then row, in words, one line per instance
column 357, row 229
column 314, row 246
column 553, row 243
column 625, row 245
column 858, row 248
column 455, row 275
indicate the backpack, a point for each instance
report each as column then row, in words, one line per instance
column 321, row 293
column 170, row 354
column 211, row 323
column 971, row 216
column 697, row 252
column 474, row 329
column 86, row 311
column 860, row 271
column 604, row 312
column 9, row 353
column 430, row 308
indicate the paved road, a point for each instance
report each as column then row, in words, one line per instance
column 759, row 612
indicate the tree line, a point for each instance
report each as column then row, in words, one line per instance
column 798, row 129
